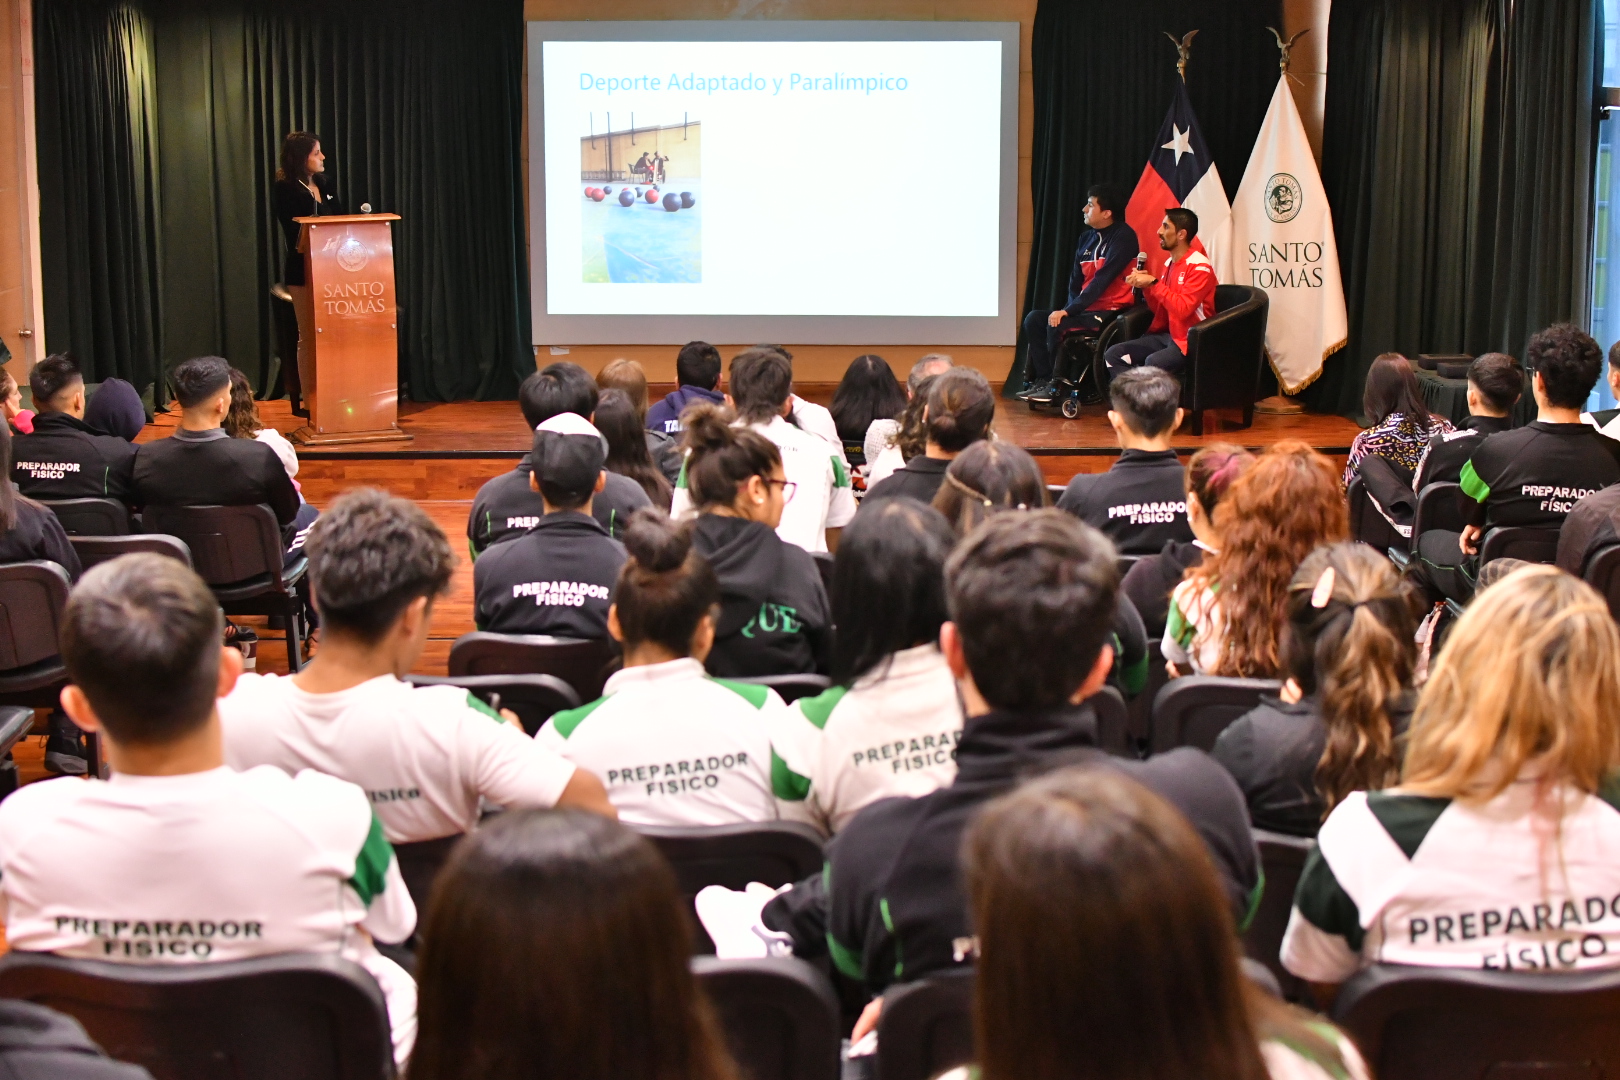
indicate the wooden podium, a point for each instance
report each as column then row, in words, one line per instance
column 353, row 396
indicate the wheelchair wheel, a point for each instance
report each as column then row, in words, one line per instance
column 1071, row 406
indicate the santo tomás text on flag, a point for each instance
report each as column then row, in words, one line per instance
column 1180, row 172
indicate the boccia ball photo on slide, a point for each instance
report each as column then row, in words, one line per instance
column 631, row 229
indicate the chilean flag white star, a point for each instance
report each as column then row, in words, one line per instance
column 1181, row 142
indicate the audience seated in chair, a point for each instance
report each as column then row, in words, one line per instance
column 115, row 408
column 802, row 414
column 1529, row 476
column 675, row 746
column 891, row 724
column 64, row 457
column 628, row 453
column 1181, row 297
column 1496, row 849
column 20, row 420
column 1226, row 614
column 889, row 444
column 1140, row 503
column 1495, row 383
column 178, row 858
column 1605, row 419
column 1101, row 937
column 427, row 757
column 201, row 465
column 1029, row 598
column 960, row 407
column 1337, row 726
column 558, row 945
column 664, row 450
column 697, row 370
column 1402, row 424
column 867, row 395
column 821, row 501
column 1594, row 524
column 29, row 531
column 556, row 578
column 773, row 617
column 510, row 505
column 243, row 422
column 37, row 1043
column 1210, row 472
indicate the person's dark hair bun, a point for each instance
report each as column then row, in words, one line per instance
column 658, row 544
column 708, row 427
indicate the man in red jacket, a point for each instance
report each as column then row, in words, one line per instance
column 1181, row 299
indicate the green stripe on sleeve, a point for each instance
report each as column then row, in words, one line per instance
column 752, row 693
column 820, row 708
column 371, row 863
column 565, row 722
column 840, row 476
column 1133, row 677
column 1474, row 487
column 844, row 958
column 786, row 784
column 477, row 704
column 680, row 481
column 1180, row 631
column 1324, row 903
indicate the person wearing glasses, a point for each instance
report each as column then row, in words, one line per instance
column 774, row 617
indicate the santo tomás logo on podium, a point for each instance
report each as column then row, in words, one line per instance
column 352, row 297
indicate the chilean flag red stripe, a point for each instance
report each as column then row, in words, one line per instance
column 1180, row 172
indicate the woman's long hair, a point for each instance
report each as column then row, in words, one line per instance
column 557, row 945
column 295, row 151
column 1106, row 945
column 987, row 478
column 1530, row 675
column 1392, row 387
column 868, row 391
column 888, row 589
column 242, row 421
column 1283, row 506
column 620, row 424
column 1349, row 638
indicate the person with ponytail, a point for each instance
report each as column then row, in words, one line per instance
column 960, row 406
column 1496, row 850
column 1337, row 725
column 774, row 618
column 673, row 745
column 1227, row 613
column 1210, row 472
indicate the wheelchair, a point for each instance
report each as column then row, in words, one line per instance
column 1077, row 370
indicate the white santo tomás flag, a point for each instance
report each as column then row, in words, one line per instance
column 1282, row 242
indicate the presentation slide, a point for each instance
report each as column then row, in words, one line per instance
column 806, row 190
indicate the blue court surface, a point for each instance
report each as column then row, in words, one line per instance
column 644, row 242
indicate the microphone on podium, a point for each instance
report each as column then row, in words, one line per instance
column 365, row 208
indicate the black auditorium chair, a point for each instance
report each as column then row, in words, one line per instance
column 33, row 600
column 534, row 698
column 779, row 1016
column 1282, row 860
column 1367, row 524
column 1195, row 709
column 1054, row 492
column 238, row 551
column 1439, row 506
column 1431, row 1023
column 824, row 564
column 775, row 853
column 1603, row 574
column 926, row 1027
column 1531, row 543
column 790, row 687
column 315, row 1017
column 90, row 517
column 1113, row 722
column 1226, row 355
column 583, row 663
column 93, row 550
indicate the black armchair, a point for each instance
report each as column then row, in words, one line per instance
column 1226, row 355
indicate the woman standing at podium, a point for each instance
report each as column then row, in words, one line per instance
column 302, row 189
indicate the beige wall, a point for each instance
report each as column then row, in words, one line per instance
column 21, row 312
column 1308, row 63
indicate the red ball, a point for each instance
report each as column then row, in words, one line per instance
column 652, row 196
column 598, row 194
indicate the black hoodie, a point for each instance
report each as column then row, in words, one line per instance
column 774, row 617
column 895, row 905
column 37, row 1043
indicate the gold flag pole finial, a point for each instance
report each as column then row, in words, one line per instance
column 1286, row 48
column 1183, row 50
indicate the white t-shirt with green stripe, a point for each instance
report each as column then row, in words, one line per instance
column 425, row 756
column 894, row 732
column 1407, row 879
column 203, row 867
column 674, row 746
column 822, row 499
column 1194, row 631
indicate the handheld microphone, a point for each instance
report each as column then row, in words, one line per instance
column 365, row 208
column 1141, row 261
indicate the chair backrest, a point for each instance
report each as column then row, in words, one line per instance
column 1439, row 506
column 779, row 1016
column 533, row 697
column 772, row 852
column 1367, row 524
column 926, row 1027
column 1451, row 1024
column 94, row 550
column 90, row 517
column 790, row 687
column 583, row 663
column 1226, row 352
column 419, row 864
column 33, row 598
column 1603, row 574
column 1113, row 722
column 1054, row 492
column 824, row 565
column 316, row 1017
column 1282, row 860
column 1527, row 542
column 229, row 544
column 1194, row 710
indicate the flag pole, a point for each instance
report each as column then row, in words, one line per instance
column 1280, row 404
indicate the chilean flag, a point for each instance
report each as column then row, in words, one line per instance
column 1180, row 172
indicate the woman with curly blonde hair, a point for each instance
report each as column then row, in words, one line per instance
column 1226, row 615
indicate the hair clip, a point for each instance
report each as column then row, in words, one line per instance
column 1324, row 588
column 969, row 492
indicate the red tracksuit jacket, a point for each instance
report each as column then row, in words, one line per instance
column 1183, row 297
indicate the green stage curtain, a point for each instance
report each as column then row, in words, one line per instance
column 1458, row 148
column 418, row 104
column 1104, row 74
